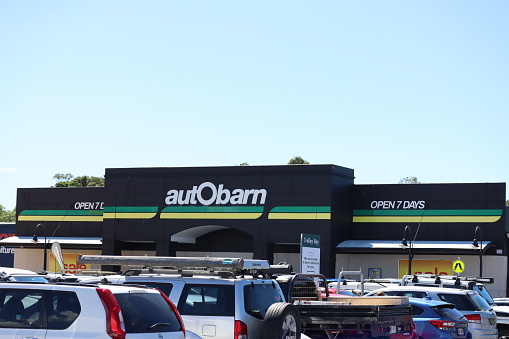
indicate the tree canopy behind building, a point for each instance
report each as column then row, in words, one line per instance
column 298, row 161
column 68, row 180
column 409, row 180
column 6, row 215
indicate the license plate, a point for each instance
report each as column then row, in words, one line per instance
column 492, row 321
column 461, row 331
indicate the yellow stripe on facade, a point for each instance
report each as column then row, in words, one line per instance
column 210, row 215
column 435, row 219
column 300, row 216
column 60, row 218
column 129, row 215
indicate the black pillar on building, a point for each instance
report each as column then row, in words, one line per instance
column 327, row 260
column 165, row 248
column 111, row 247
column 263, row 250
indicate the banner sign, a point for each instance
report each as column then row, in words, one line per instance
column 70, row 263
column 310, row 253
column 436, row 267
column 6, row 253
column 57, row 253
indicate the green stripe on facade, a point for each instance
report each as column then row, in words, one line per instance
column 300, row 212
column 61, row 212
column 300, row 209
column 130, row 212
column 130, row 209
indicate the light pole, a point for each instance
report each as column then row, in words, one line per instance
column 35, row 240
column 477, row 244
column 408, row 244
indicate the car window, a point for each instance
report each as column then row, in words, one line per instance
column 413, row 294
column 147, row 312
column 484, row 294
column 27, row 278
column 215, row 300
column 392, row 293
column 259, row 297
column 20, row 308
column 462, row 301
column 416, row 310
column 479, row 302
column 63, row 307
column 447, row 311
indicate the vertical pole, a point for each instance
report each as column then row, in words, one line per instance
column 45, row 255
column 45, row 252
column 407, row 228
column 478, row 228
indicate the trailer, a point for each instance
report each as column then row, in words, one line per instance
column 323, row 315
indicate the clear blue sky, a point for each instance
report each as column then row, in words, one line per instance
column 388, row 88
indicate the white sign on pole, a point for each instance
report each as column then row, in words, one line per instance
column 310, row 253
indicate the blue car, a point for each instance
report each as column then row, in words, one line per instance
column 438, row 320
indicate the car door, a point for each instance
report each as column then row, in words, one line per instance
column 208, row 309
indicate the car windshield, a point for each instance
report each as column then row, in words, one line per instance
column 480, row 303
column 448, row 311
column 466, row 302
column 27, row 278
column 484, row 293
column 147, row 312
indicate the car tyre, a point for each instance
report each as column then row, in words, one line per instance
column 282, row 321
column 503, row 334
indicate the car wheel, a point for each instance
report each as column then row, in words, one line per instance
column 503, row 334
column 282, row 321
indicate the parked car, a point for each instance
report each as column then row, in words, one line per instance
column 17, row 274
column 214, row 304
column 482, row 320
column 438, row 320
column 477, row 284
column 501, row 301
column 63, row 310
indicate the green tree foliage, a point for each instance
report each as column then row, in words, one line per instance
column 244, row 164
column 6, row 215
column 409, row 180
column 60, row 177
column 297, row 161
column 68, row 180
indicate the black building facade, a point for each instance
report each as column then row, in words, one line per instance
column 263, row 210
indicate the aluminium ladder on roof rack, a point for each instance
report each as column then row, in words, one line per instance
column 357, row 273
column 177, row 262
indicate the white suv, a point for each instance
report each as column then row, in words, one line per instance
column 216, row 303
column 63, row 310
column 219, row 307
column 482, row 321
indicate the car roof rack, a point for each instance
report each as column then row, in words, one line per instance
column 439, row 278
column 185, row 266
